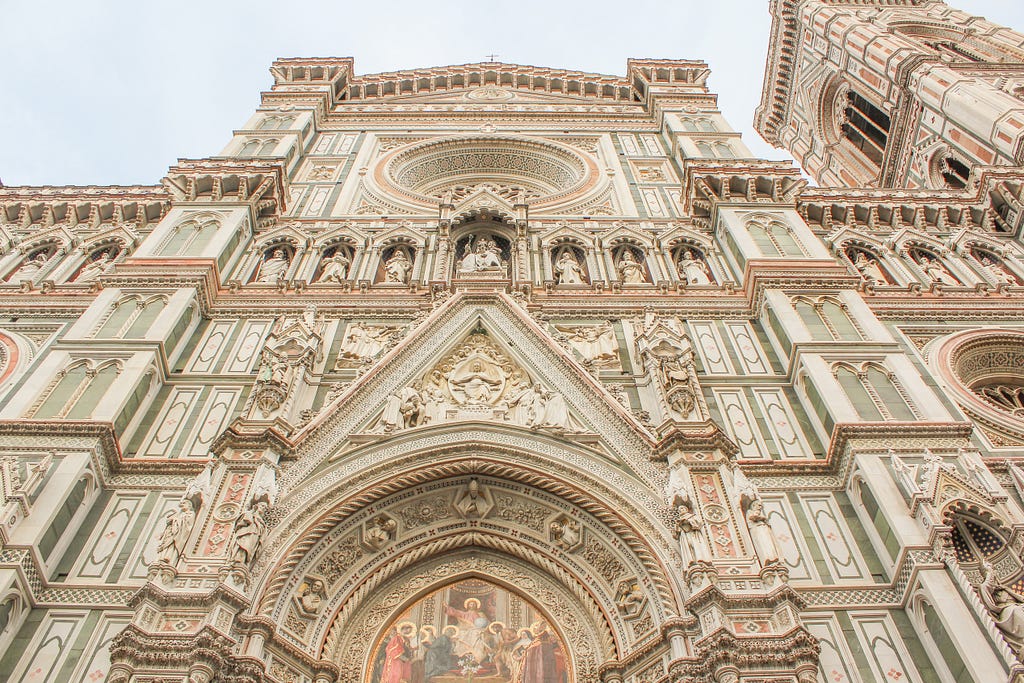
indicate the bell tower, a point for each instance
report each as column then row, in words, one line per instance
column 892, row 93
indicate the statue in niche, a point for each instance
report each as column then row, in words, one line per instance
column 595, row 343
column 674, row 372
column 335, row 268
column 248, row 532
column 311, row 597
column 95, row 267
column 177, row 529
column 273, row 267
column 936, row 272
column 485, row 255
column 365, row 342
column 380, row 532
column 869, row 268
column 30, row 268
column 690, row 527
column 568, row 270
column 273, row 369
column 693, row 270
column 1006, row 606
column 631, row 271
column 398, row 267
column 997, row 270
column 565, row 533
column 403, row 409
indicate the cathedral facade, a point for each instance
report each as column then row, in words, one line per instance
column 496, row 373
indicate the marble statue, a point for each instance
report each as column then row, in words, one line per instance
column 30, row 268
column 398, row 267
column 96, row 267
column 693, row 545
column 998, row 271
column 1006, row 607
column 335, row 268
column 936, row 272
column 380, row 532
column 177, row 529
column 869, row 269
column 593, row 342
column 568, row 270
column 248, row 532
column 761, row 532
column 273, row 267
column 403, row 409
column 485, row 255
column 692, row 270
column 365, row 342
column 631, row 272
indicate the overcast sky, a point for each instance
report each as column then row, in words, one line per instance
column 113, row 92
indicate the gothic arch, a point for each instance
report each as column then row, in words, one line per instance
column 615, row 530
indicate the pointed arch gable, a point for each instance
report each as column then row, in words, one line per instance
column 520, row 337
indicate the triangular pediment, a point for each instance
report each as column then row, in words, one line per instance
column 480, row 360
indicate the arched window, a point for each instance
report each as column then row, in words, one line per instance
column 827, row 319
column 132, row 317
column 76, row 391
column 866, row 126
column 874, row 392
column 705, row 150
column 954, row 173
column 774, row 239
column 249, row 148
column 189, row 238
column 267, row 148
column 724, row 150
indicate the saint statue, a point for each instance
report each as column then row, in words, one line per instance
column 403, row 409
column 593, row 342
column 273, row 268
column 998, row 271
column 761, row 532
column 1006, row 607
column 248, row 532
column 397, row 267
column 693, row 271
column 528, row 406
column 631, row 272
column 556, row 412
column 364, row 341
column 94, row 268
column 335, row 268
column 869, row 269
column 936, row 272
column 30, row 268
column 176, row 531
column 485, row 256
column 568, row 270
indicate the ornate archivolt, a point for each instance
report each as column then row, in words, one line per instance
column 593, row 557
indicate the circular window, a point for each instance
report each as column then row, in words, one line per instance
column 537, row 171
column 985, row 370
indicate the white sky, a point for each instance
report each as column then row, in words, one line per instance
column 115, row 91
